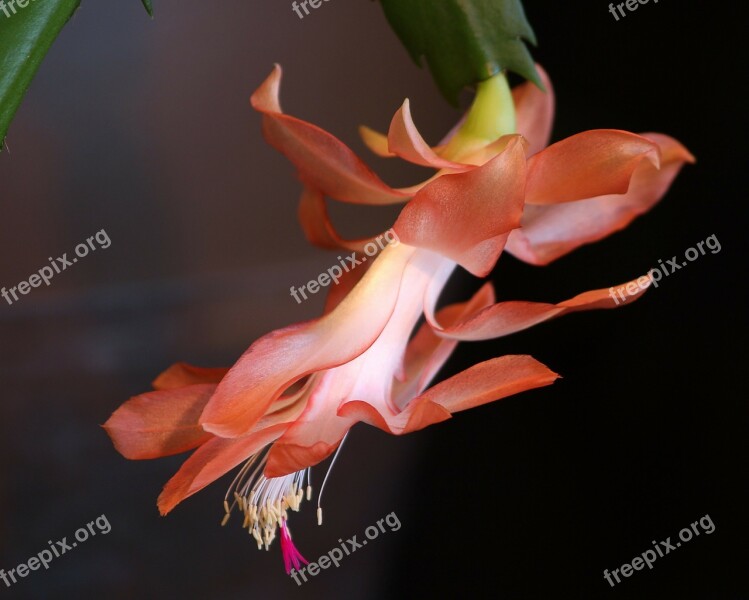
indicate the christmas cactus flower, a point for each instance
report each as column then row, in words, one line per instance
column 291, row 398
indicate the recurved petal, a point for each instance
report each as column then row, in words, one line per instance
column 278, row 359
column 549, row 232
column 488, row 381
column 160, row 423
column 485, row 382
column 405, row 141
column 313, row 216
column 321, row 159
column 182, row 374
column 377, row 142
column 592, row 163
column 212, row 460
column 509, row 317
column 427, row 352
column 534, row 111
column 420, row 413
column 466, row 215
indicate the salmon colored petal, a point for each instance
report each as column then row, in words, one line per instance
column 482, row 383
column 420, row 413
column 347, row 282
column 369, row 377
column 317, row 432
column 465, row 216
column 488, row 381
column 549, row 232
column 160, row 423
column 589, row 164
column 319, row 231
column 303, row 446
column 182, row 374
column 405, row 141
column 211, row 461
column 534, row 112
column 505, row 318
column 278, row 359
column 427, row 352
column 321, row 159
column 377, row 142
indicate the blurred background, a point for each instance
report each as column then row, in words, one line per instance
column 143, row 128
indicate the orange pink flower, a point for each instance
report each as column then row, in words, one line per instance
column 291, row 398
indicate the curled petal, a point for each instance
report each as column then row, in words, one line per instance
column 321, row 159
column 509, row 317
column 212, row 460
column 313, row 215
column 488, row 381
column 534, row 112
column 592, row 163
column 160, row 423
column 420, row 413
column 377, row 142
column 549, row 232
column 427, row 352
column 278, row 359
column 465, row 216
column 404, row 140
column 182, row 374
column 485, row 382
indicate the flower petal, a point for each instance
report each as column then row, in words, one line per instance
column 278, row 359
column 505, row 318
column 465, row 216
column 404, row 140
column 374, row 140
column 420, row 413
column 319, row 231
column 427, row 352
column 534, row 111
column 160, row 423
column 488, row 381
column 549, row 232
column 592, row 163
column 485, row 382
column 347, row 282
column 182, row 374
column 369, row 377
column 212, row 460
column 321, row 159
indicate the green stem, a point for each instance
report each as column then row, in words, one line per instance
column 491, row 116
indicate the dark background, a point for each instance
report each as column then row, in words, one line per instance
column 143, row 128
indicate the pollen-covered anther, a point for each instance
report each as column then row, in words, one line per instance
column 264, row 502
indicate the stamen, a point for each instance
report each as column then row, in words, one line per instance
column 264, row 502
column 325, row 480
